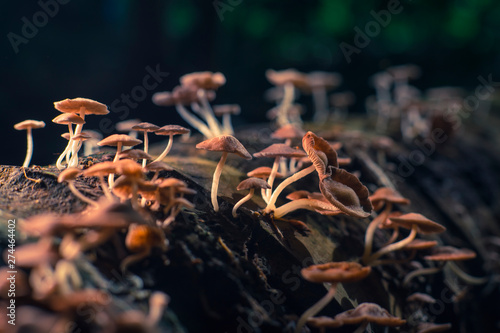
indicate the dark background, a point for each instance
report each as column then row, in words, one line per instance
column 100, row 49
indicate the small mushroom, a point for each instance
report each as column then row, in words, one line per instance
column 69, row 175
column 77, row 139
column 169, row 130
column 67, row 119
column 333, row 273
column 28, row 125
column 145, row 128
column 249, row 184
column 157, row 167
column 100, row 170
column 225, row 111
column 226, row 144
column 134, row 154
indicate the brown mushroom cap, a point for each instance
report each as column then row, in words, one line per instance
column 142, row 236
column 68, row 118
column 300, row 194
column 420, row 244
column 78, row 105
column 103, row 169
column 81, row 137
column 288, row 131
column 225, row 143
column 66, row 136
column 126, row 125
column 203, row 80
column 450, row 253
column 279, row 149
column 254, row 183
column 432, row 328
column 424, row 225
column 158, row 166
column 68, row 174
column 233, row 109
column 386, row 194
column 262, row 172
column 171, row 182
column 128, row 168
column 319, row 152
column 279, row 78
column 114, row 139
column 420, row 297
column 180, row 95
column 335, row 272
column 368, row 312
column 145, row 127
column 135, row 154
column 172, row 130
column 30, row 123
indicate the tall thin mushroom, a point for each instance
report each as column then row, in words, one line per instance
column 145, row 128
column 28, row 125
column 67, row 119
column 169, row 130
column 249, row 184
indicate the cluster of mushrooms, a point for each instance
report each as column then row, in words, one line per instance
column 134, row 195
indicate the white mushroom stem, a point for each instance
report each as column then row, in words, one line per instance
column 78, row 130
column 309, row 204
column 285, row 104
column 73, row 162
column 105, row 188
column 464, row 276
column 158, row 301
column 80, row 196
column 370, row 231
column 194, row 121
column 208, row 113
column 320, row 104
column 394, row 246
column 146, row 147
column 167, row 149
column 227, row 127
column 216, row 178
column 272, row 176
column 313, row 310
column 242, row 201
column 293, row 178
column 418, row 272
column 29, row 150
column 111, row 177
column 66, row 151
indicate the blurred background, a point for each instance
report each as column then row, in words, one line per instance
column 103, row 49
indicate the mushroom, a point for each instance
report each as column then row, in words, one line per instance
column 134, row 154
column 225, row 111
column 226, row 144
column 100, row 170
column 156, row 167
column 249, row 184
column 363, row 314
column 90, row 145
column 263, row 173
column 82, row 107
column 145, row 128
column 288, row 133
column 28, row 125
column 141, row 239
column 332, row 273
column 319, row 82
column 169, row 130
column 67, row 119
column 77, row 139
column 126, row 127
column 69, row 175
column 132, row 175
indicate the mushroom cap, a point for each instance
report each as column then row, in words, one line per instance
column 320, row 152
column 450, row 253
column 183, row 95
column 68, row 174
column 158, row 166
column 368, row 312
column 100, row 169
column 65, row 136
column 225, row 143
column 254, row 183
column 135, row 154
column 386, row 194
column 222, row 109
column 30, row 123
column 346, row 192
column 141, row 237
column 79, row 104
column 171, row 182
column 81, row 137
column 280, row 78
column 279, row 149
column 126, row 125
column 300, row 194
column 68, row 118
column 342, row 99
column 33, row 254
column 419, row 244
column 421, row 297
column 145, row 127
column 288, row 131
column 203, row 80
column 93, row 134
column 424, row 225
column 328, row 80
column 335, row 272
column 129, row 168
column 432, row 328
column 124, row 184
column 172, row 130
column 124, row 139
column 263, row 172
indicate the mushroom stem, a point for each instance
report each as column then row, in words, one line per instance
column 167, row 149
column 423, row 271
column 464, row 276
column 67, row 277
column 146, row 147
column 370, row 231
column 111, row 177
column 215, row 181
column 73, row 162
column 66, row 150
column 208, row 113
column 105, row 188
column 227, row 127
column 395, row 246
column 242, row 201
column 78, row 129
column 134, row 258
column 80, row 196
column 285, row 104
column 308, row 204
column 272, row 176
column 193, row 121
column 394, row 236
column 293, row 178
column 158, row 301
column 320, row 104
column 313, row 310
column 29, row 151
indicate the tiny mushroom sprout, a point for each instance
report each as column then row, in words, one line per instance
column 225, row 111
column 319, row 83
column 225, row 144
column 333, row 273
column 417, row 223
column 169, row 130
column 141, row 238
column 363, row 314
column 67, row 119
column 145, row 128
column 81, row 107
column 28, row 125
column 69, row 175
column 249, row 184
